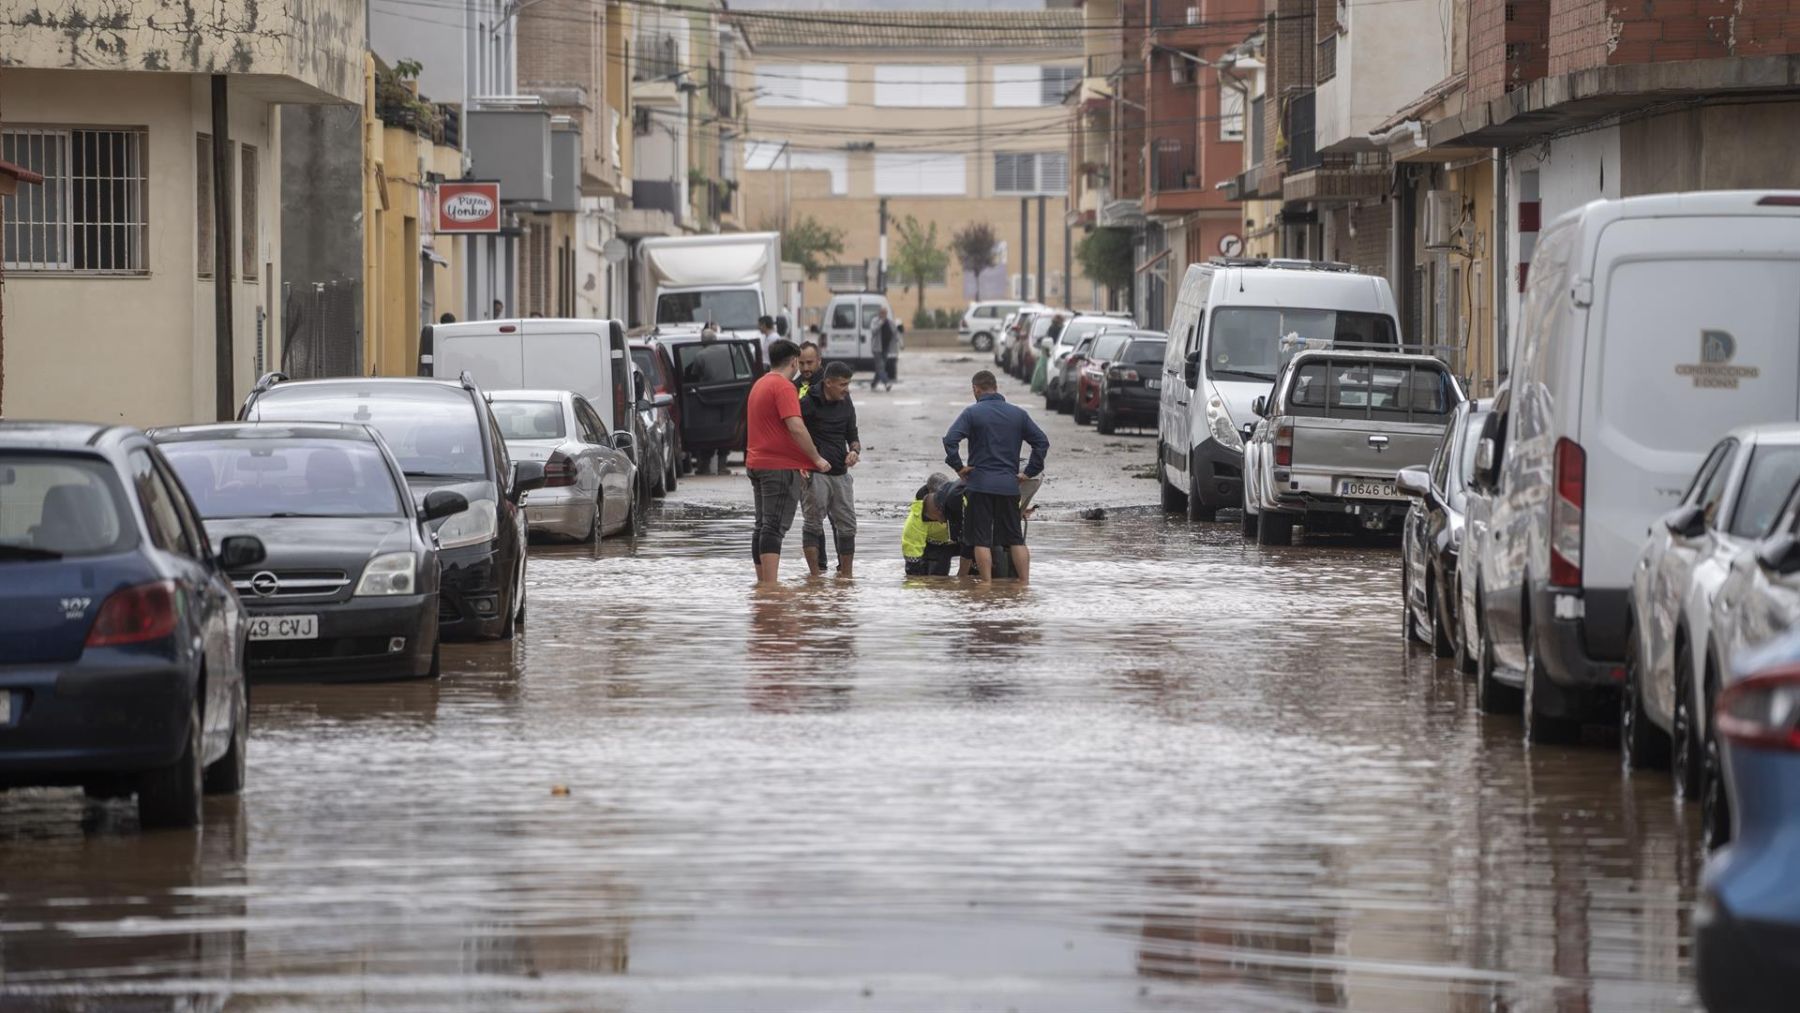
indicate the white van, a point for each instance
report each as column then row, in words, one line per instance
column 589, row 357
column 1225, row 338
column 1650, row 327
column 849, row 331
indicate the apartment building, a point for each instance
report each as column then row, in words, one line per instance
column 151, row 250
column 951, row 118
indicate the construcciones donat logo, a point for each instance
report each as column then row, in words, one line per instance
column 1717, row 349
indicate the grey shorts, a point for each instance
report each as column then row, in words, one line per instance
column 830, row 497
column 777, row 493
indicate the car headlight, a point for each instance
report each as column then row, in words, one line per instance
column 471, row 527
column 1220, row 420
column 389, row 573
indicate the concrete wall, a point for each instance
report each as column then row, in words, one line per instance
column 1392, row 53
column 1717, row 148
column 139, row 349
column 322, row 202
column 295, row 51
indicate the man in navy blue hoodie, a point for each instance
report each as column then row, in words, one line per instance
column 995, row 430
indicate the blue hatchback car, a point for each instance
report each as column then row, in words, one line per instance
column 121, row 638
column 1748, row 922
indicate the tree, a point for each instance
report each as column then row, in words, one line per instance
column 808, row 242
column 977, row 248
column 919, row 259
column 1105, row 257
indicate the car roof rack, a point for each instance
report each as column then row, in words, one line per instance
column 1287, row 264
column 268, row 380
column 467, row 379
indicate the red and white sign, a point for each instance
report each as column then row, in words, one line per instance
column 468, row 207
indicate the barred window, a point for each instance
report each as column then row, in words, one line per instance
column 90, row 213
column 248, row 225
column 204, row 247
column 1028, row 172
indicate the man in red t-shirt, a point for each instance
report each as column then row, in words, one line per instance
column 778, row 455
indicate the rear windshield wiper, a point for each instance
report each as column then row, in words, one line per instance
column 27, row 552
column 1267, row 378
column 443, row 474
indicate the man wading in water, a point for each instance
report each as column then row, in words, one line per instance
column 778, row 455
column 995, row 430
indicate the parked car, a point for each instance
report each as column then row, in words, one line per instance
column 591, row 488
column 1747, row 920
column 715, row 376
column 1017, row 339
column 1329, row 441
column 980, row 325
column 1068, row 356
column 445, row 437
column 1130, row 385
column 1731, row 503
column 1433, row 534
column 1213, row 372
column 121, row 639
column 1476, row 508
column 1649, row 326
column 849, row 331
column 1039, row 341
column 1107, row 346
column 652, row 422
column 664, row 423
column 349, row 587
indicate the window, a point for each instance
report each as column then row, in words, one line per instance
column 158, row 503
column 769, row 156
column 1031, row 172
column 66, row 505
column 247, row 216
column 1231, row 114
column 203, row 205
column 919, row 173
column 802, row 84
column 921, row 86
column 843, row 316
column 869, row 312
column 236, row 478
column 1773, row 471
column 90, row 213
column 715, row 363
column 1330, row 389
column 1033, row 84
column 1714, row 490
column 592, row 429
column 530, row 420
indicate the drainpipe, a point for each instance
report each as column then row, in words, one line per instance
column 224, row 391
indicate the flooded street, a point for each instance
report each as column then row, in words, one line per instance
column 1177, row 772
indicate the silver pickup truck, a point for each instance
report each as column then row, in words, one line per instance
column 1331, row 434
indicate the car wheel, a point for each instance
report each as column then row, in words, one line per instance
column 1173, row 499
column 1641, row 744
column 1051, row 401
column 1491, row 695
column 169, row 797
column 671, row 476
column 1684, row 761
column 437, row 662
column 1106, row 423
column 1541, row 728
column 1274, row 528
column 982, row 342
column 1198, row 511
column 1440, row 633
column 634, row 519
column 1715, row 806
column 226, row 775
column 1082, row 415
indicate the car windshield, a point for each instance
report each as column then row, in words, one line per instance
column 285, row 477
column 432, row 429
column 55, row 506
column 529, row 420
column 1246, row 341
column 1145, row 351
column 730, row 309
column 1329, row 388
column 1771, row 476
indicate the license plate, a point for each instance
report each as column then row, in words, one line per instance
column 1366, row 488
column 1153, row 384
column 284, row 628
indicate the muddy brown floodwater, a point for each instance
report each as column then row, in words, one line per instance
column 1178, row 772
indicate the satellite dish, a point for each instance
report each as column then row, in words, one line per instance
column 615, row 250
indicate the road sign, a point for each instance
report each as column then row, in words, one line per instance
column 1231, row 244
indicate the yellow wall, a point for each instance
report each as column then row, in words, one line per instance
column 1476, row 183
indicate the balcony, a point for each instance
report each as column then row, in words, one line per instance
column 1301, row 124
column 1363, row 76
column 658, row 57
column 1175, row 184
column 1338, row 178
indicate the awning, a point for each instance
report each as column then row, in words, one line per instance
column 434, row 256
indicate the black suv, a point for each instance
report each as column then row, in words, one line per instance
column 445, row 437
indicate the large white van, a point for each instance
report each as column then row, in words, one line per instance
column 589, row 357
column 1225, row 338
column 849, row 331
column 1650, row 327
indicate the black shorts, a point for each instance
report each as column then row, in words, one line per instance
column 992, row 520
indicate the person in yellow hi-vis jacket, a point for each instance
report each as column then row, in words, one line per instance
column 932, row 535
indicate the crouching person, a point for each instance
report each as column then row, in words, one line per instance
column 830, row 418
column 932, row 535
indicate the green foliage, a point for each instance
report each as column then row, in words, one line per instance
column 407, row 70
column 977, row 247
column 1105, row 257
column 919, row 258
column 809, row 243
column 923, row 319
column 946, row 319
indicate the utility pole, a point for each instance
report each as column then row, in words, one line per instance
column 1040, row 253
column 1024, row 248
column 1068, row 285
column 881, row 261
column 224, row 390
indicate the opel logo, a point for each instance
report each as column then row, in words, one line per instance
column 265, row 584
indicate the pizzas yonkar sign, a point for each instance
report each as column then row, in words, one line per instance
column 468, row 207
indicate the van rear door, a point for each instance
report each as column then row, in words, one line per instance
column 1694, row 329
column 716, row 377
column 495, row 360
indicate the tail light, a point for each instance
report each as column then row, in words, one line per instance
column 135, row 615
column 559, row 470
column 1122, row 373
column 1565, row 514
column 1284, row 445
column 1762, row 711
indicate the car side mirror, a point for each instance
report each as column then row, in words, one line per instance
column 526, row 476
column 624, row 443
column 239, row 551
column 1686, row 521
column 1248, row 431
column 643, row 388
column 1487, row 469
column 440, row 503
column 1260, row 406
column 662, row 400
column 1190, row 373
column 1414, row 482
column 643, row 404
column 1780, row 555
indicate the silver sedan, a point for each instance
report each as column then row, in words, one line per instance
column 591, row 487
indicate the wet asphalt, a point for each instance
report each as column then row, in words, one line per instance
column 1177, row 772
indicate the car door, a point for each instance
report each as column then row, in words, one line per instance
column 867, row 346
column 605, row 467
column 716, row 380
column 1668, row 564
column 842, row 338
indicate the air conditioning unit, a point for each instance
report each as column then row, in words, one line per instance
column 1443, row 219
column 1193, row 15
